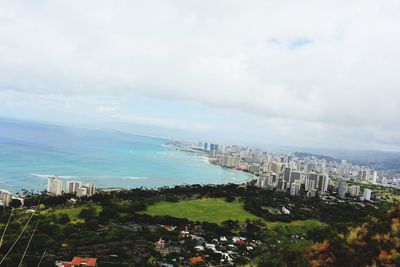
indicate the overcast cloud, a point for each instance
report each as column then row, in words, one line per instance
column 305, row 73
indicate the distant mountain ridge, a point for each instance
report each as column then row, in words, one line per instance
column 305, row 154
column 375, row 159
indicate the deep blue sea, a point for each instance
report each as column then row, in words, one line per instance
column 30, row 152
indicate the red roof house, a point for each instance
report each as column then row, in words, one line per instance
column 82, row 262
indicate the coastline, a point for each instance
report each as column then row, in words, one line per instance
column 103, row 158
column 204, row 154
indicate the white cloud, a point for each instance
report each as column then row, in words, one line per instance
column 80, row 110
column 327, row 68
column 115, row 114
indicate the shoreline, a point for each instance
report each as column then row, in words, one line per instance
column 232, row 175
column 209, row 160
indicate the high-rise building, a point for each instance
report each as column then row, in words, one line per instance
column 374, row 177
column 54, row 186
column 323, row 182
column 281, row 185
column 72, row 187
column 309, row 167
column 292, row 165
column 212, row 153
column 205, row 146
column 90, row 189
column 354, row 190
column 254, row 168
column 295, row 188
column 365, row 174
column 5, row 197
column 260, row 181
column 214, row 147
column 309, row 185
column 286, row 174
column 276, row 167
column 82, row 192
column 230, row 161
column 267, row 180
column 342, row 189
column 312, row 176
column 294, row 175
column 367, row 194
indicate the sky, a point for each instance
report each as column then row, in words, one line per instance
column 294, row 73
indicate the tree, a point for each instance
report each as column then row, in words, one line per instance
column 230, row 198
column 15, row 203
column 88, row 214
column 108, row 213
column 64, row 218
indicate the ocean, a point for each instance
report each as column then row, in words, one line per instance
column 30, row 152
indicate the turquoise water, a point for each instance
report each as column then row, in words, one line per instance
column 30, row 152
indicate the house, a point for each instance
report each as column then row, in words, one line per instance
column 199, row 248
column 210, row 246
column 223, row 239
column 160, row 244
column 285, row 211
column 200, row 240
column 184, row 234
column 196, row 260
column 162, row 264
column 169, row 228
column 241, row 242
column 78, row 262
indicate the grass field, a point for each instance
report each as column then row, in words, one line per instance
column 205, row 209
column 298, row 226
column 218, row 210
column 74, row 211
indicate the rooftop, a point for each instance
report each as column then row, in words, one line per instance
column 89, row 262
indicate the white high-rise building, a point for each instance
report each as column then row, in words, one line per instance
column 365, row 174
column 260, row 181
column 81, row 192
column 267, row 180
column 367, row 194
column 295, row 175
column 90, row 189
column 72, row 187
column 254, row 168
column 5, row 197
column 374, row 177
column 354, row 190
column 295, row 188
column 230, row 161
column 309, row 185
column 54, row 186
column 323, row 182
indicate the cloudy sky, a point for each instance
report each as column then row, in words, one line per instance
column 296, row 73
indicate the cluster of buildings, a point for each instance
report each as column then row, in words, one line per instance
column 56, row 187
column 285, row 176
column 214, row 251
column 353, row 191
column 295, row 173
